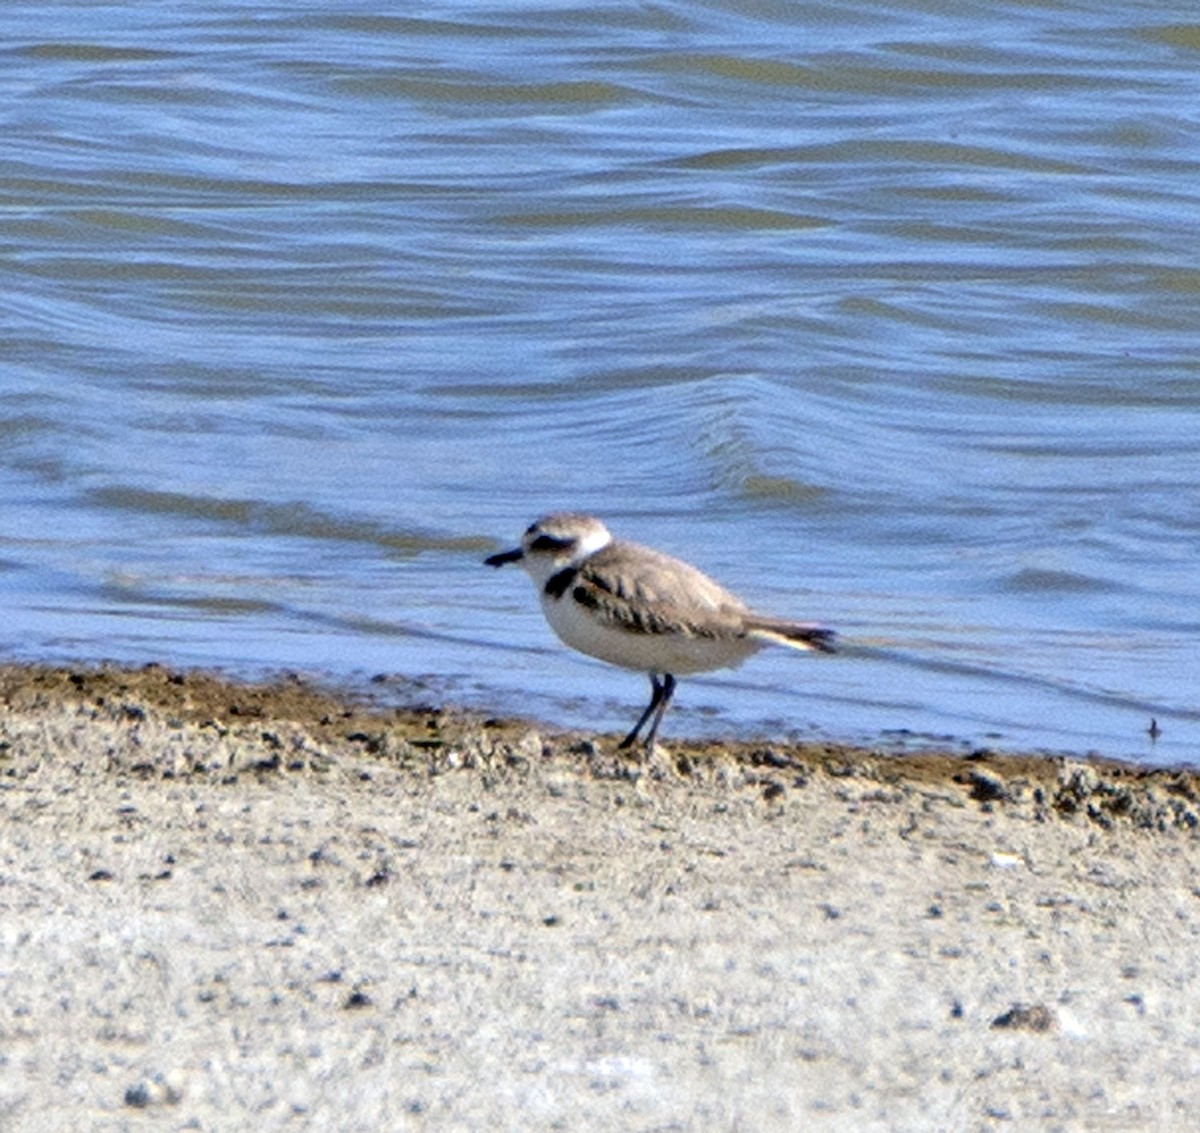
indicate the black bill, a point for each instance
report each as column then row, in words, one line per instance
column 513, row 556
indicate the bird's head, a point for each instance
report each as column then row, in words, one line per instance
column 554, row 543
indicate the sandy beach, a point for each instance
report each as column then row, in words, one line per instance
column 231, row 906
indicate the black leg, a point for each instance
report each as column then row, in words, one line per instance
column 656, row 695
column 668, row 690
column 660, row 697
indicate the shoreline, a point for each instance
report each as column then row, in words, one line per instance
column 414, row 733
column 243, row 905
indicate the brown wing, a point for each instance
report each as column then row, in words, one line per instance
column 649, row 592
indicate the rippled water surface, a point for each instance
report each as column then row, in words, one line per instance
column 885, row 314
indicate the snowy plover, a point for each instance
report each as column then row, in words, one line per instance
column 640, row 609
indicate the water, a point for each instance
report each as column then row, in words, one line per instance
column 886, row 315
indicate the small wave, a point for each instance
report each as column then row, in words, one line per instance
column 295, row 519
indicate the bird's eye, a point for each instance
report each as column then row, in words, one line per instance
column 549, row 543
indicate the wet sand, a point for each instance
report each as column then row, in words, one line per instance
column 231, row 907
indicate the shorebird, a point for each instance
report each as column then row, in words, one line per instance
column 639, row 609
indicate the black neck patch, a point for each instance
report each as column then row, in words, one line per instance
column 558, row 584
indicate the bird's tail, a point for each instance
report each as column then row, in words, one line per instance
column 799, row 635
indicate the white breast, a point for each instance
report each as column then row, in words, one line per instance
column 675, row 653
